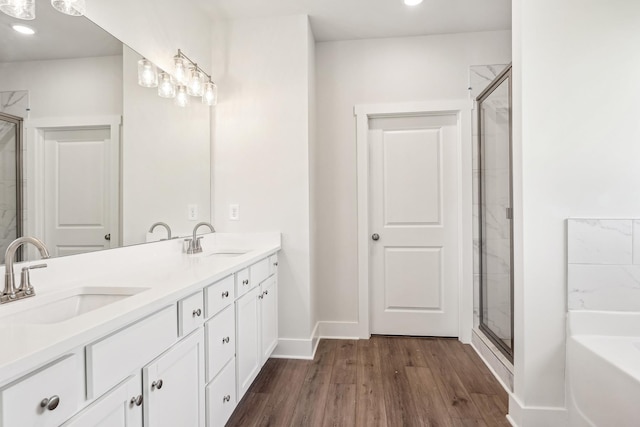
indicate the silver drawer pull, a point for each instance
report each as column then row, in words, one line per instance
column 197, row 313
column 50, row 403
column 225, row 294
column 245, row 282
column 225, row 340
column 157, row 384
column 136, row 400
column 261, row 296
column 227, row 398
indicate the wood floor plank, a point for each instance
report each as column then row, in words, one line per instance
column 370, row 407
column 468, row 371
column 310, row 406
column 344, row 364
column 279, row 408
column 490, row 408
column 453, row 393
column 429, row 401
column 477, row 361
column 341, row 406
column 250, row 405
column 400, row 406
column 267, row 378
column 411, row 352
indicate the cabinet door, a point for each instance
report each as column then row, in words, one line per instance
column 269, row 315
column 248, row 349
column 120, row 407
column 173, row 385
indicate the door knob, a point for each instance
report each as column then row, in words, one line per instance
column 375, row 236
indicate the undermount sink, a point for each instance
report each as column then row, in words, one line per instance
column 226, row 252
column 67, row 305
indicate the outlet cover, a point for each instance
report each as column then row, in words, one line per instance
column 192, row 212
column 234, row 212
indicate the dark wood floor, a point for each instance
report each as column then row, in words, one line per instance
column 384, row 381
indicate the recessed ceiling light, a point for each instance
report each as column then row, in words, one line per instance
column 23, row 29
column 412, row 2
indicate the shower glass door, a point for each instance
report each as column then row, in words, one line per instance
column 10, row 181
column 496, row 213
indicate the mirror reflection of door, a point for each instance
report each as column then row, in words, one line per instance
column 78, row 174
column 10, row 181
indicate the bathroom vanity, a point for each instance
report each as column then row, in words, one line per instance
column 143, row 335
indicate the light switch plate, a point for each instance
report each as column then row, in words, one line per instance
column 234, row 212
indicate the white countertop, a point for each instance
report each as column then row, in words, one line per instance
column 161, row 267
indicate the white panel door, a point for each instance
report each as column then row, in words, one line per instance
column 77, row 192
column 414, row 226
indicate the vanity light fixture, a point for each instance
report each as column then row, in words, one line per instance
column 197, row 81
column 412, row 2
column 21, row 9
column 147, row 74
column 180, row 68
column 23, row 29
column 70, row 7
column 166, row 86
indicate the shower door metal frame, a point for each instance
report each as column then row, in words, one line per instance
column 504, row 75
column 17, row 121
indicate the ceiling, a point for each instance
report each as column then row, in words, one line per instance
column 361, row 19
column 81, row 38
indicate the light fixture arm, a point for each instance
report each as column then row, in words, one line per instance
column 195, row 65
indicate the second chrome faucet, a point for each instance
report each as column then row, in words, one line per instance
column 194, row 243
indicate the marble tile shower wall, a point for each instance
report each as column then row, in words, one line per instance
column 480, row 76
column 15, row 103
column 603, row 257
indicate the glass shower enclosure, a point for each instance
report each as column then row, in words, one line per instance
column 495, row 213
column 10, row 181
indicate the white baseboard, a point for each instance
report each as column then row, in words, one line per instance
column 297, row 348
column 339, row 330
column 535, row 416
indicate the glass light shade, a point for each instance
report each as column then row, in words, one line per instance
column 195, row 87
column 166, row 87
column 210, row 96
column 147, row 74
column 21, row 9
column 182, row 97
column 70, row 7
column 180, row 70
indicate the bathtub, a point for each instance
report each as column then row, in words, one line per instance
column 603, row 369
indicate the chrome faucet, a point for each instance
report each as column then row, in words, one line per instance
column 10, row 292
column 162, row 224
column 194, row 243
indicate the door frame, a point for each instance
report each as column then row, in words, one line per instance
column 462, row 109
column 34, row 130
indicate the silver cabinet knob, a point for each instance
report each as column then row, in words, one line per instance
column 226, row 398
column 245, row 282
column 225, row 294
column 107, row 236
column 136, row 400
column 225, row 340
column 50, row 403
column 261, row 296
column 266, row 292
column 275, row 263
column 157, row 384
column 375, row 236
column 197, row 313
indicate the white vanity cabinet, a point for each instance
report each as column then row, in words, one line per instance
column 119, row 407
column 187, row 363
column 256, row 325
column 173, row 385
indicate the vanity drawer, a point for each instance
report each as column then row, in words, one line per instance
column 219, row 295
column 113, row 358
column 221, row 341
column 243, row 284
column 190, row 313
column 221, row 396
column 273, row 264
column 60, row 382
column 259, row 271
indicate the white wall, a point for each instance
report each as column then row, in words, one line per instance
column 261, row 149
column 374, row 71
column 67, row 87
column 165, row 159
column 577, row 145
